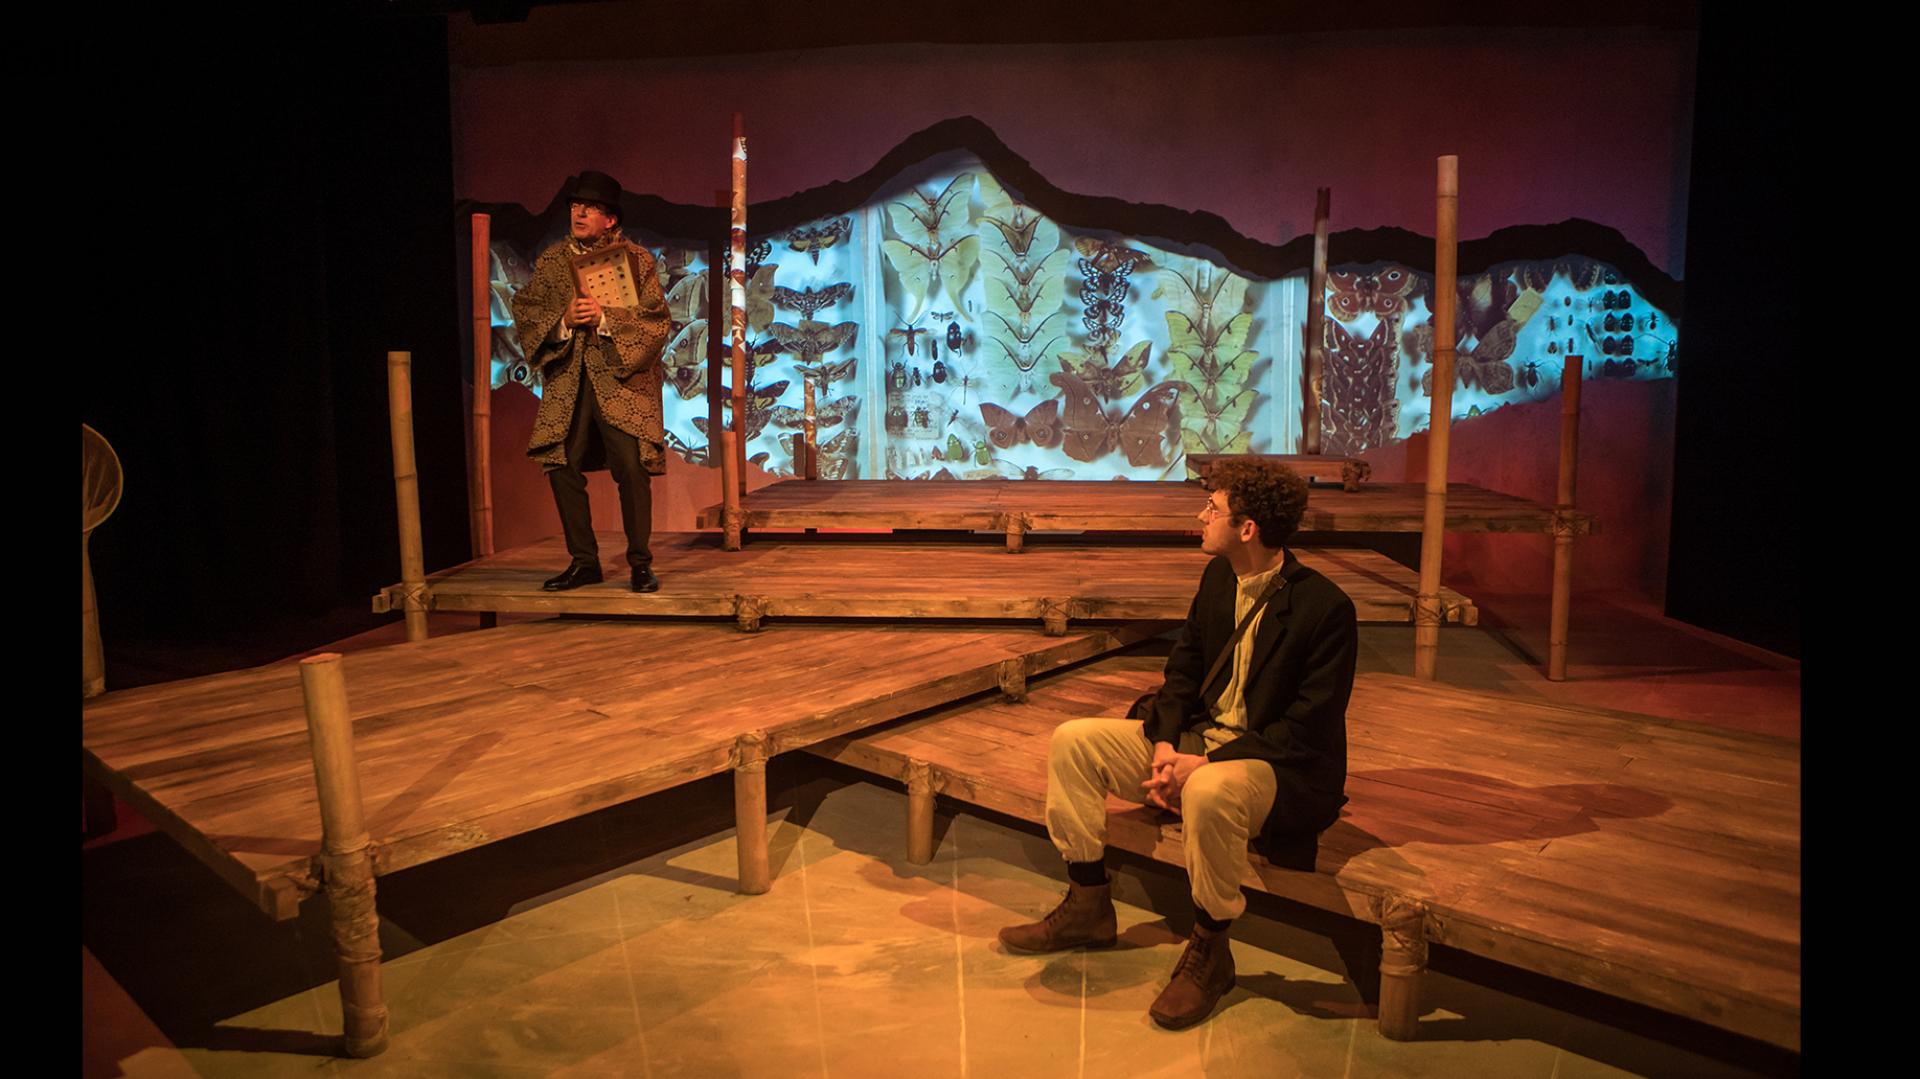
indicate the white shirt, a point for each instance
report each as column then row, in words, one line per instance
column 1229, row 710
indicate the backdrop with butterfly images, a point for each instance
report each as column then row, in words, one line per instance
column 952, row 330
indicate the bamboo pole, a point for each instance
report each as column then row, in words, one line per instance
column 346, row 854
column 919, row 812
column 1316, row 326
column 750, row 812
column 1561, row 609
column 733, row 470
column 480, row 461
column 1427, row 612
column 810, row 431
column 406, row 493
column 719, row 358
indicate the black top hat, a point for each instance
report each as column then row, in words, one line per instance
column 591, row 186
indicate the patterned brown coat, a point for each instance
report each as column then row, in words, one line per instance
column 624, row 362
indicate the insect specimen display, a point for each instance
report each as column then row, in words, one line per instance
column 951, row 329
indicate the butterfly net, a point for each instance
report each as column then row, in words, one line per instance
column 99, row 479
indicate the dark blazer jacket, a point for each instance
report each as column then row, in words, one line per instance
column 1297, row 688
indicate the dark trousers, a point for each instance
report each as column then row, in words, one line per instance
column 622, row 453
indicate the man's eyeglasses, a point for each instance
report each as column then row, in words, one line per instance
column 1213, row 511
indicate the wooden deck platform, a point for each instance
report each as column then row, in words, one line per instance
column 1056, row 583
column 1655, row 861
column 1016, row 507
column 469, row 738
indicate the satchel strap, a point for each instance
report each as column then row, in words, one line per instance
column 1239, row 631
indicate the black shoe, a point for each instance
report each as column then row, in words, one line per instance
column 644, row 580
column 573, row 577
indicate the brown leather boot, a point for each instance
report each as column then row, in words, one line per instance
column 1084, row 919
column 1204, row 975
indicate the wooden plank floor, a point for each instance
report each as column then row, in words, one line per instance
column 476, row 736
column 1652, row 860
column 1086, row 505
column 879, row 577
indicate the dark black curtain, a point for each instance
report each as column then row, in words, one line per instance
column 289, row 182
column 1734, row 563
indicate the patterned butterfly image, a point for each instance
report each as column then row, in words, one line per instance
column 1104, row 270
column 811, row 340
column 1019, row 292
column 1143, row 434
column 832, row 414
column 808, row 301
column 826, row 374
column 839, row 456
column 760, row 402
column 1384, row 292
column 1582, row 272
column 818, row 238
column 1361, row 405
column 1040, row 426
column 1208, row 335
column 1120, row 379
column 1219, row 428
column 935, row 250
column 685, row 359
column 698, row 455
column 687, row 299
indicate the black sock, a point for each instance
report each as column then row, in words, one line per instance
column 1087, row 874
column 1209, row 922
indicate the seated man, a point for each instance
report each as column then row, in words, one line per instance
column 1245, row 736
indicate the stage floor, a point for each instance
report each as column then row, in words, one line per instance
column 1090, row 506
column 619, row 937
column 466, row 739
column 869, row 576
column 1652, row 860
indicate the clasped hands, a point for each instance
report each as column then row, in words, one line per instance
column 583, row 311
column 1170, row 770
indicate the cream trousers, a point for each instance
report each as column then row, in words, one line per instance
column 1222, row 803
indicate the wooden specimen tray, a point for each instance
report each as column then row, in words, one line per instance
column 1019, row 506
column 469, row 738
column 1652, row 860
column 1056, row 582
column 1348, row 472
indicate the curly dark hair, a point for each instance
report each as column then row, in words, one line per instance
column 1270, row 493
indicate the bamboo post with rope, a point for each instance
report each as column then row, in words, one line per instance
column 1427, row 611
column 1316, row 326
column 406, row 493
column 1563, row 527
column 480, row 461
column 732, row 449
column 346, row 854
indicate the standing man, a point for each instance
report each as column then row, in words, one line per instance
column 600, row 406
column 1247, row 736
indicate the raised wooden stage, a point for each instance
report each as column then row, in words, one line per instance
column 1015, row 507
column 474, row 737
column 1057, row 582
column 1655, row 861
